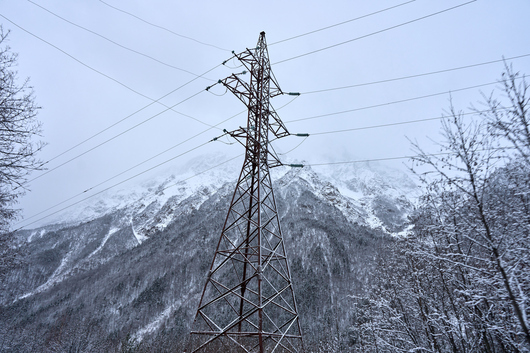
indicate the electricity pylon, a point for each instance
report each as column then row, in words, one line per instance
column 248, row 302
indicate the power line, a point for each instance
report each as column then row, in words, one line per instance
column 74, row 58
column 135, row 166
column 309, row 92
column 110, row 187
column 374, row 33
column 112, row 79
column 371, row 160
column 125, row 118
column 395, row 158
column 114, row 42
column 288, row 121
column 112, row 138
column 390, row 103
column 136, row 112
column 417, row 75
column 163, row 28
column 286, row 104
column 341, row 23
column 393, row 124
column 295, row 147
column 145, row 161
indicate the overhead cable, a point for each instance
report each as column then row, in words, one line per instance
column 374, row 33
column 394, row 124
column 114, row 42
column 417, row 75
column 398, row 157
column 393, row 102
column 112, row 186
column 123, row 119
column 74, row 58
column 160, row 27
column 138, row 111
column 111, row 138
column 116, row 81
column 341, row 23
column 295, row 147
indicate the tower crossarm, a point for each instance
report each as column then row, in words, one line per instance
column 276, row 126
column 242, row 91
column 242, row 136
column 238, row 87
column 259, row 55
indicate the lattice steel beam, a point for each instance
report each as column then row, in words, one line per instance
column 248, row 302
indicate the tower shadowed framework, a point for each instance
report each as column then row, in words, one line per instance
column 248, row 302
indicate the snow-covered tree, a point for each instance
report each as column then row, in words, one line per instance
column 18, row 146
column 18, row 128
column 461, row 281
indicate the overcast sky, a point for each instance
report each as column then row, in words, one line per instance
column 80, row 76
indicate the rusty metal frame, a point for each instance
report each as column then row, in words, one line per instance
column 248, row 302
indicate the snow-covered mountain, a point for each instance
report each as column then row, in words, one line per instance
column 130, row 263
column 358, row 190
column 177, row 184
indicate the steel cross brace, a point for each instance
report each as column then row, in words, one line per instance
column 248, row 302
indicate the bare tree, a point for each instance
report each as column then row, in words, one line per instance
column 461, row 281
column 18, row 129
column 492, row 217
column 19, row 133
column 508, row 119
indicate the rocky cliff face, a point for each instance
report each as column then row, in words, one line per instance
column 130, row 266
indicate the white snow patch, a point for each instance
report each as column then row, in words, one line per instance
column 30, row 238
column 405, row 232
column 374, row 222
column 153, row 325
column 107, row 237
column 55, row 278
column 139, row 237
column 41, row 234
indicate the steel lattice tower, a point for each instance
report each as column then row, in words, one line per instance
column 248, row 302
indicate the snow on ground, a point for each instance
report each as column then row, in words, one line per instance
column 154, row 325
column 57, row 276
column 40, row 234
column 107, row 237
column 139, row 237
